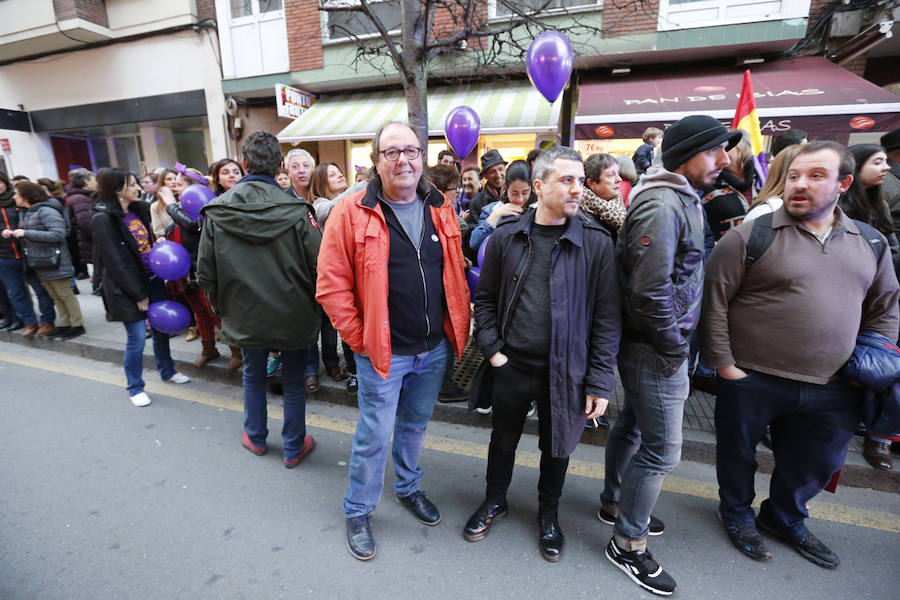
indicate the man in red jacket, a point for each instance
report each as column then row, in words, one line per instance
column 392, row 281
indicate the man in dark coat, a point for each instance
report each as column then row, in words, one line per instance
column 257, row 263
column 80, row 203
column 547, row 321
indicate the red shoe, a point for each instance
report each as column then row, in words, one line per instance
column 257, row 450
column 308, row 444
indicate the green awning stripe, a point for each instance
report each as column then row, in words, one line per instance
column 515, row 107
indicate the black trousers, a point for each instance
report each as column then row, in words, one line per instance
column 512, row 392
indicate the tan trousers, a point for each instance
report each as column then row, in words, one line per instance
column 67, row 309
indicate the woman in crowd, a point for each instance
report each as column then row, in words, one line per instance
column 325, row 185
column 224, row 174
column 43, row 229
column 769, row 198
column 602, row 198
column 189, row 236
column 628, row 173
column 866, row 201
column 283, row 179
column 13, row 273
column 123, row 238
column 159, row 218
column 515, row 200
column 740, row 173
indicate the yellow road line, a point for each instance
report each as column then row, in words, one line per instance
column 837, row 513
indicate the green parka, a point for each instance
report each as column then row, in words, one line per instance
column 257, row 264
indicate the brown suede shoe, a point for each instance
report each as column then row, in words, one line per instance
column 206, row 357
column 878, row 454
column 236, row 361
column 45, row 329
column 29, row 331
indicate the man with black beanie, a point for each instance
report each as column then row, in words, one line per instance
column 660, row 258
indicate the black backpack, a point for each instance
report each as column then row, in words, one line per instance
column 763, row 234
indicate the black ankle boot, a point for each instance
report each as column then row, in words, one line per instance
column 552, row 539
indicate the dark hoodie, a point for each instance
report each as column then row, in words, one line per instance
column 9, row 219
column 257, row 263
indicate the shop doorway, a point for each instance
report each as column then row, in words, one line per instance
column 70, row 153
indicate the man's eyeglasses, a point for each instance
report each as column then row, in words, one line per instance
column 411, row 153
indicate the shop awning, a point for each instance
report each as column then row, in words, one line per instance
column 512, row 108
column 809, row 93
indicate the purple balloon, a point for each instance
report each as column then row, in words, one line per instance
column 549, row 63
column 472, row 277
column 194, row 198
column 461, row 127
column 481, row 248
column 169, row 261
column 168, row 316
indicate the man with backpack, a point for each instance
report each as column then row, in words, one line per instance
column 784, row 300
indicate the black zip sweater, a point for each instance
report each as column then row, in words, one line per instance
column 416, row 304
column 9, row 219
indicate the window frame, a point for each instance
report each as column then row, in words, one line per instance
column 790, row 9
column 326, row 29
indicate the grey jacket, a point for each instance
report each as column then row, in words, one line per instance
column 45, row 225
column 660, row 259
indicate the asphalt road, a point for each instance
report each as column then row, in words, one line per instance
column 99, row 499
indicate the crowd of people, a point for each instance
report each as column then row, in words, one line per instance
column 686, row 264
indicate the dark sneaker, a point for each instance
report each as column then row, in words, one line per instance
column 452, row 393
column 552, row 539
column 308, row 444
column 423, row 508
column 72, row 333
column 480, row 522
column 352, row 384
column 360, row 541
column 641, row 568
column 808, row 546
column 657, row 527
column 746, row 538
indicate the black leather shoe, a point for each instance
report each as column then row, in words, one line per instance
column 57, row 332
column 746, row 538
column 478, row 524
column 360, row 541
column 15, row 326
column 4, row 323
column 552, row 538
column 808, row 546
column 423, row 508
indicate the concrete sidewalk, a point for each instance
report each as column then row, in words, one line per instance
column 105, row 341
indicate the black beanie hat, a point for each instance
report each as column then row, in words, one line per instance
column 891, row 141
column 691, row 135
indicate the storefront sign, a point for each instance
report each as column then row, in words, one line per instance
column 291, row 102
column 4, row 145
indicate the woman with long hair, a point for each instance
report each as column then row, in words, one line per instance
column 325, row 185
column 123, row 238
column 189, row 236
column 283, row 179
column 223, row 174
column 866, row 201
column 160, row 220
column 769, row 198
column 43, row 229
column 740, row 172
column 517, row 197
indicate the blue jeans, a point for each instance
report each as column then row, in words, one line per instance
column 401, row 404
column 645, row 443
column 134, row 347
column 811, row 427
column 293, row 382
column 12, row 272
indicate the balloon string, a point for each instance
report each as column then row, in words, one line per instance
column 184, row 171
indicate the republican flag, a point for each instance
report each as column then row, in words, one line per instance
column 745, row 116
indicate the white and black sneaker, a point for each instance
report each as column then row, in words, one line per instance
column 641, row 568
column 657, row 527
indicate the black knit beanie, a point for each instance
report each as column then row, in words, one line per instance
column 691, row 135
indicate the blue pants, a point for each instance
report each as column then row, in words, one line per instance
column 134, row 347
column 402, row 404
column 14, row 276
column 294, row 399
column 811, row 427
column 645, row 443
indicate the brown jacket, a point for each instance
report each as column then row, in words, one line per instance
column 796, row 312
